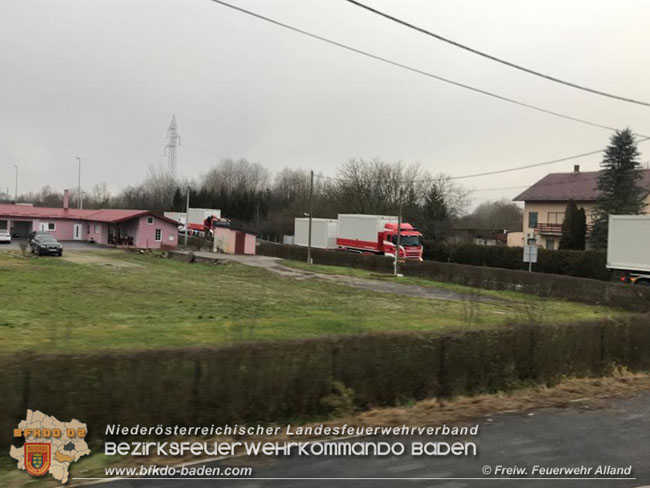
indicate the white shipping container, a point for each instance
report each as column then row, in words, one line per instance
column 628, row 243
column 198, row 215
column 323, row 233
column 363, row 227
column 177, row 216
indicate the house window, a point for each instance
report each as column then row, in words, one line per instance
column 51, row 226
column 158, row 236
column 150, row 220
column 555, row 217
column 532, row 220
column 97, row 228
column 550, row 244
column 87, row 228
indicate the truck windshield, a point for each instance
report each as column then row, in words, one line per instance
column 408, row 241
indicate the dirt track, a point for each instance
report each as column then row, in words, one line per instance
column 273, row 265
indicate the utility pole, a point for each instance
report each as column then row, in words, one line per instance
column 399, row 235
column 80, row 203
column 311, row 211
column 187, row 215
column 16, row 190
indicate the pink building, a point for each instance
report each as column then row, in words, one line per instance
column 139, row 228
column 233, row 241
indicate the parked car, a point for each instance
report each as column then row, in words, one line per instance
column 5, row 236
column 46, row 244
column 34, row 233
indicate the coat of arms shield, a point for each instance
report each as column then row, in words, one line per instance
column 37, row 458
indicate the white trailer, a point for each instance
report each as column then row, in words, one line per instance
column 363, row 227
column 628, row 247
column 198, row 215
column 323, row 233
column 177, row 216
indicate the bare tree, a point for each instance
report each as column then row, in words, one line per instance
column 231, row 175
column 498, row 214
column 377, row 186
column 99, row 197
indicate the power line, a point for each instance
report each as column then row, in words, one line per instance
column 410, row 68
column 538, row 185
column 505, row 170
column 472, row 190
column 527, row 166
column 494, row 58
column 501, row 188
column 535, row 165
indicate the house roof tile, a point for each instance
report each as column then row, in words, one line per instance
column 581, row 187
column 103, row 215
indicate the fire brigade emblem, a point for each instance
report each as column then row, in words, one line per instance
column 37, row 458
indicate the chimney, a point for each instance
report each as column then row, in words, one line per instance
column 66, row 199
column 576, row 169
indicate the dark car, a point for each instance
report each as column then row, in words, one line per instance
column 46, row 244
column 34, row 233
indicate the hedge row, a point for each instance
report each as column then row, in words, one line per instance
column 595, row 292
column 583, row 264
column 287, row 380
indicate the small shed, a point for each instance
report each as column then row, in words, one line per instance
column 233, row 241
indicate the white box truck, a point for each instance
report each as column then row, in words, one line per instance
column 198, row 215
column 377, row 234
column 323, row 233
column 628, row 247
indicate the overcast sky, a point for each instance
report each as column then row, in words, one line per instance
column 101, row 80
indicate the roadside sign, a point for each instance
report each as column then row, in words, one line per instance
column 530, row 254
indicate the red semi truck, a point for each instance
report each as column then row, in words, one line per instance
column 377, row 234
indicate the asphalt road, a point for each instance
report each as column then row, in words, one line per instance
column 618, row 436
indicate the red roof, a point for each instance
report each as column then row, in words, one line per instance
column 196, row 227
column 111, row 215
column 562, row 187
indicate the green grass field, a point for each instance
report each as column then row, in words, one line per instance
column 114, row 300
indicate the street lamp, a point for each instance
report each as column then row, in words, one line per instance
column 16, row 190
column 80, row 202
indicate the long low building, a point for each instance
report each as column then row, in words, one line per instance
column 139, row 228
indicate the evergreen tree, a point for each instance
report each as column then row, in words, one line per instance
column 581, row 229
column 619, row 185
column 436, row 214
column 178, row 202
column 573, row 227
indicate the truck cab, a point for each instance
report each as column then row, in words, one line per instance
column 410, row 240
